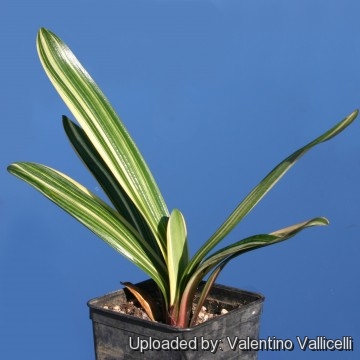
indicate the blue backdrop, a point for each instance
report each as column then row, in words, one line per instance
column 215, row 93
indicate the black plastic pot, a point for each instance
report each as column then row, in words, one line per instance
column 119, row 336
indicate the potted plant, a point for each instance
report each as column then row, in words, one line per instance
column 139, row 226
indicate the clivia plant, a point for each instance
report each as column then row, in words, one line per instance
column 137, row 223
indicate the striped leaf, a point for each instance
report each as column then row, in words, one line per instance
column 117, row 195
column 104, row 129
column 261, row 190
column 258, row 241
column 220, row 258
column 140, row 227
column 95, row 214
column 205, row 292
column 177, row 251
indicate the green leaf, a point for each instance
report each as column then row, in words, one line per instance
column 107, row 181
column 261, row 190
column 258, row 241
column 177, row 251
column 205, row 292
column 105, row 130
column 219, row 259
column 95, row 214
column 254, row 242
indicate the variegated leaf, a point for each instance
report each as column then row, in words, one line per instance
column 262, row 189
column 107, row 181
column 177, row 251
column 95, row 214
column 104, row 129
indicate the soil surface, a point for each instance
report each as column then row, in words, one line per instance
column 211, row 310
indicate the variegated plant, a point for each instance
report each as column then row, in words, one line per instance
column 138, row 224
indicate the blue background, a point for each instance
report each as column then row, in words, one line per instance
column 215, row 93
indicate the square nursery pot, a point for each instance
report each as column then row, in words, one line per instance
column 120, row 336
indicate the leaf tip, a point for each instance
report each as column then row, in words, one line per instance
column 323, row 221
column 43, row 31
column 10, row 168
column 353, row 115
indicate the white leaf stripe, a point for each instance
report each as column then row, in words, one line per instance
column 257, row 241
column 177, row 251
column 224, row 255
column 94, row 214
column 109, row 136
column 71, row 196
column 99, row 169
column 205, row 292
column 262, row 189
column 78, row 98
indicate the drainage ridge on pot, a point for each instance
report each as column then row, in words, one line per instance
column 121, row 336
